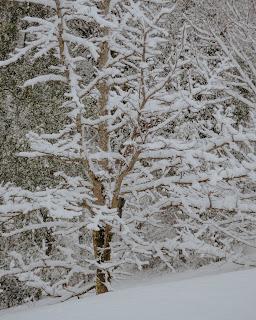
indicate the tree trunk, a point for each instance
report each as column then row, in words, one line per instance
column 102, row 238
column 102, row 251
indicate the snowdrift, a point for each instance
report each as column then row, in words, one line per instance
column 229, row 296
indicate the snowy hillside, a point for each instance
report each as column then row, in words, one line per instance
column 229, row 296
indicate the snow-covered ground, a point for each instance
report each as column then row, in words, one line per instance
column 226, row 296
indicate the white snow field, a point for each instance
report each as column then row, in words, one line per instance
column 228, row 296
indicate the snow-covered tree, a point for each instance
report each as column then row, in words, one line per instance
column 22, row 110
column 216, row 187
column 114, row 121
